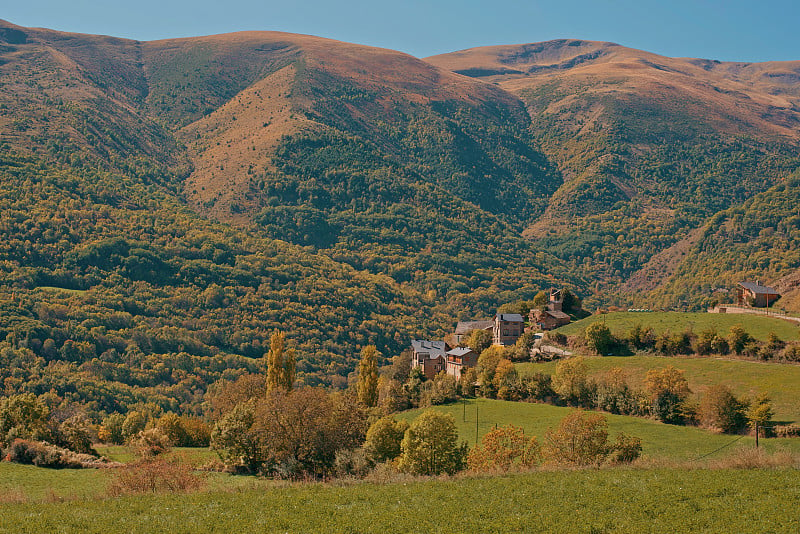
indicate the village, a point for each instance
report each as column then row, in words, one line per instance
column 433, row 357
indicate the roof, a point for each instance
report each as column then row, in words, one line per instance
column 511, row 317
column 459, row 351
column 758, row 289
column 465, row 326
column 557, row 314
column 434, row 348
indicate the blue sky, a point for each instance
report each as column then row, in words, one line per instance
column 732, row 30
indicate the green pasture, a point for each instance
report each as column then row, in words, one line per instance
column 659, row 440
column 583, row 501
column 745, row 378
column 757, row 326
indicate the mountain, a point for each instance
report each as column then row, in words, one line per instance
column 168, row 204
column 650, row 148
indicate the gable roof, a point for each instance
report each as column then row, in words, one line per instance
column 459, row 351
column 433, row 348
column 758, row 289
column 465, row 326
column 557, row 314
column 511, row 317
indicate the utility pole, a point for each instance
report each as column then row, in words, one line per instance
column 756, row 434
column 476, row 420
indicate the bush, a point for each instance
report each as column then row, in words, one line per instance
column 720, row 409
column 41, row 454
column 580, row 439
column 154, row 476
column 503, row 449
column 352, row 463
column 625, row 449
column 384, row 438
column 150, row 443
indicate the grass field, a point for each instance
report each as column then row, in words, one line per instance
column 757, row 326
column 658, row 440
column 586, row 501
column 781, row 381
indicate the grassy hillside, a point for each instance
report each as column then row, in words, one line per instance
column 621, row 323
column 613, row 500
column 659, row 440
column 745, row 378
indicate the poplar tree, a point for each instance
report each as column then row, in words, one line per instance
column 280, row 364
column 368, row 376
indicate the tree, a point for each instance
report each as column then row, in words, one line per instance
column 280, row 364
column 236, row 439
column 23, row 416
column 720, row 409
column 134, row 423
column 760, row 411
column 384, row 438
column 541, row 300
column 111, row 429
column 479, row 340
column 570, row 380
column 738, row 339
column 580, row 439
column 599, row 337
column 430, row 446
column 668, row 389
column 503, row 449
column 368, row 376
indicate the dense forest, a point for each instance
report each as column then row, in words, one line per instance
column 166, row 206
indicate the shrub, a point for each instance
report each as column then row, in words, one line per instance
column 720, row 409
column 570, row 382
column 625, row 449
column 384, row 438
column 42, row 455
column 154, row 476
column 503, row 449
column 580, row 439
column 352, row 463
column 599, row 338
column 149, row 443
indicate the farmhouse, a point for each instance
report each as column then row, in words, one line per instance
column 429, row 356
column 756, row 295
column 460, row 359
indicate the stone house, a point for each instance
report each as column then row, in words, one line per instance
column 459, row 360
column 429, row 356
column 463, row 328
column 508, row 328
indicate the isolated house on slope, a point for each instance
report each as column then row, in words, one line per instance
column 429, row 356
column 756, row 295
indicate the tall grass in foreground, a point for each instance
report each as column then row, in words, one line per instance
column 591, row 500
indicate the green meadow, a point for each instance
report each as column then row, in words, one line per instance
column 582, row 501
column 744, row 377
column 620, row 323
column 659, row 440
